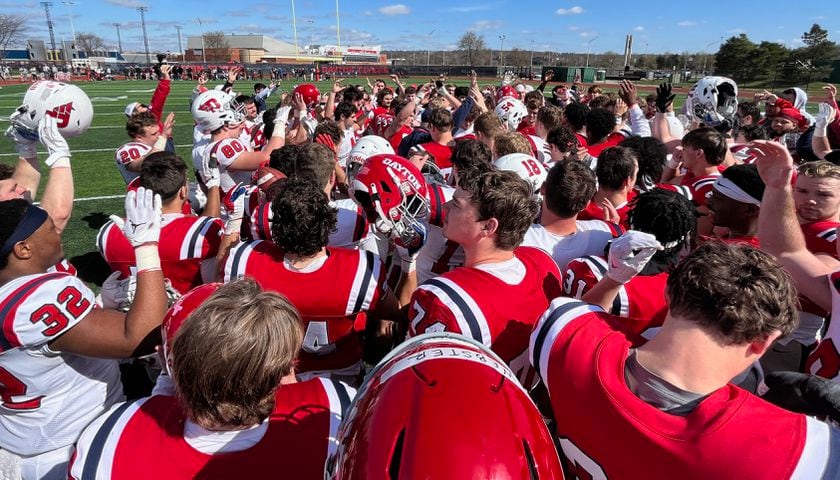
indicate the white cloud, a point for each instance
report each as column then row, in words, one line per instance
column 398, row 9
column 574, row 28
column 686, row 23
column 485, row 25
column 639, row 29
column 569, row 11
column 367, row 13
column 588, row 34
column 470, row 8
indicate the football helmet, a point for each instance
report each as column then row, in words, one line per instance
column 506, row 91
column 310, row 94
column 393, row 192
column 215, row 109
column 366, row 147
column 264, row 177
column 511, row 112
column 69, row 105
column 443, row 406
column 178, row 313
column 713, row 101
column 527, row 167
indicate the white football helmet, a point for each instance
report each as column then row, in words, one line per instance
column 215, row 109
column 69, row 105
column 511, row 111
column 713, row 100
column 365, row 148
column 527, row 167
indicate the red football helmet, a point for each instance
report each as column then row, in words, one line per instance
column 443, row 406
column 176, row 315
column 393, row 191
column 310, row 93
column 264, row 177
column 506, row 91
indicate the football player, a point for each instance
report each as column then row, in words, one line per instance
column 57, row 371
column 817, row 201
column 146, row 137
column 236, row 408
column 496, row 296
column 440, row 148
column 616, row 173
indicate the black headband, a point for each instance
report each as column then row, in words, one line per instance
column 32, row 220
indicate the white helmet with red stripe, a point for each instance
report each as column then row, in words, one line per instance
column 511, row 112
column 527, row 167
column 366, row 147
column 69, row 105
column 215, row 109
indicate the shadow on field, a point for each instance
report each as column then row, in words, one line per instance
column 91, row 267
column 95, row 220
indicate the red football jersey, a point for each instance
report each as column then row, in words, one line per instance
column 825, row 359
column 701, row 187
column 145, row 439
column 821, row 237
column 612, row 140
column 731, row 434
column 640, row 302
column 593, row 211
column 480, row 305
column 348, row 283
column 442, row 154
column 396, row 138
column 185, row 241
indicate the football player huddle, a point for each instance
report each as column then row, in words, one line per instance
column 425, row 282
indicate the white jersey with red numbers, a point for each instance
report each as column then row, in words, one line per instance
column 128, row 153
column 731, row 433
column 185, row 242
column 225, row 152
column 494, row 304
column 825, row 359
column 539, row 149
column 258, row 139
column 348, row 141
column 153, row 438
column 438, row 255
column 352, row 228
column 329, row 298
column 590, row 238
column 48, row 397
column 246, row 135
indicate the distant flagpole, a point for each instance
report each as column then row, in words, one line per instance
column 294, row 28
column 337, row 27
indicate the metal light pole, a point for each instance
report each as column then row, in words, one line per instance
column 589, row 48
column 311, row 33
column 294, row 29
column 429, row 49
column 47, row 6
column 502, row 52
column 180, row 52
column 143, row 11
column 337, row 27
column 531, row 66
column 119, row 39
column 203, row 50
column 70, row 4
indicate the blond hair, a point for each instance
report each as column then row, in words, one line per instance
column 231, row 352
column 820, row 169
column 511, row 142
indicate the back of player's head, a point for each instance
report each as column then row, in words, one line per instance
column 710, row 141
column 615, row 166
column 258, row 87
column 136, row 123
column 316, row 162
column 819, row 169
column 302, row 218
column 511, row 142
column 575, row 114
column 746, row 177
column 345, row 110
column 599, row 123
column 488, row 124
column 468, row 153
column 11, row 214
column 163, row 173
column 736, row 293
column 550, row 117
column 6, row 171
column 231, row 352
column 284, row 159
column 244, row 99
column 569, row 187
column 562, row 138
column 441, row 119
column 330, row 128
column 668, row 216
column 651, row 155
column 754, row 132
column 351, row 94
column 504, row 196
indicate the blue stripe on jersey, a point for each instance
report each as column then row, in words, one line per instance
column 13, row 302
column 98, row 443
column 552, row 318
column 237, row 258
column 437, row 213
column 832, row 468
column 360, row 298
column 343, row 396
column 197, row 234
column 469, row 316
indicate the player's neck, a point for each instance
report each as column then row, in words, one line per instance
column 688, row 358
column 704, row 169
column 616, row 197
column 442, row 138
column 556, row 225
column 299, row 262
column 17, row 269
column 172, row 207
column 485, row 252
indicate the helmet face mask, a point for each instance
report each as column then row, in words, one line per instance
column 215, row 109
column 713, row 101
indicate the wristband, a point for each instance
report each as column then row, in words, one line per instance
column 300, row 114
column 820, row 131
column 63, row 162
column 160, row 144
column 672, row 163
column 147, row 258
column 408, row 266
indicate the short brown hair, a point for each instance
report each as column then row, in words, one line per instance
column 736, row 293
column 568, row 188
column 440, row 118
column 232, row 351
column 330, row 128
column 315, row 161
column 710, row 141
column 138, row 122
column 488, row 124
column 504, row 196
column 819, row 169
column 6, row 171
column 511, row 142
column 551, row 117
column 163, row 173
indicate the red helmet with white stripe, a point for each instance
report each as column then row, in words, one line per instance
column 310, row 93
column 443, row 406
column 394, row 193
column 178, row 313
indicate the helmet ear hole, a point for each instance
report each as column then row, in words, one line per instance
column 396, row 457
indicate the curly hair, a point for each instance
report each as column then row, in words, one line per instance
column 138, row 122
column 330, row 128
column 668, row 216
column 563, row 139
column 470, row 152
column 302, row 218
column 285, row 159
column 651, row 154
column 504, row 196
column 599, row 123
column 736, row 293
column 575, row 114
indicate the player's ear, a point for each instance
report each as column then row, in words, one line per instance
column 22, row 250
column 490, row 226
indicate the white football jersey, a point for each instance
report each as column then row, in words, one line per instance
column 48, row 397
column 590, row 238
column 128, row 153
column 198, row 151
column 438, row 255
column 226, row 151
column 351, row 135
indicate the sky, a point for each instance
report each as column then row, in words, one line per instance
column 575, row 26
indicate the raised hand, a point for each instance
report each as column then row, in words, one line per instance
column 627, row 92
column 57, row 147
column 664, row 97
column 142, row 222
column 774, row 162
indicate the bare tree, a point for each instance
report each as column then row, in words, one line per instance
column 89, row 43
column 11, row 27
column 216, row 45
column 472, row 44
